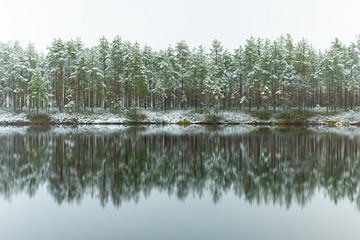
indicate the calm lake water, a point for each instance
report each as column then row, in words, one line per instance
column 169, row 182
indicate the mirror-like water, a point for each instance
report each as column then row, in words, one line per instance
column 167, row 182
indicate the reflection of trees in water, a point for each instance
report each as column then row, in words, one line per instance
column 264, row 166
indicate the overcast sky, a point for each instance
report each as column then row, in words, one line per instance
column 159, row 23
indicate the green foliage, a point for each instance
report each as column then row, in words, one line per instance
column 213, row 118
column 39, row 119
column 69, row 107
column 262, row 115
column 134, row 115
column 184, row 122
column 296, row 114
column 295, row 117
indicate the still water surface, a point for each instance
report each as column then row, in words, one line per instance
column 167, row 182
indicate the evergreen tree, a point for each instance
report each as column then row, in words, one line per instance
column 215, row 82
column 56, row 60
column 198, row 71
column 38, row 90
column 183, row 62
column 103, row 58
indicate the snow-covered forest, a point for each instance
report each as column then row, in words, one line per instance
column 261, row 74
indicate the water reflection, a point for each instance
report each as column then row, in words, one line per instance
column 260, row 165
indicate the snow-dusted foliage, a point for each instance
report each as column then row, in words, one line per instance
column 261, row 74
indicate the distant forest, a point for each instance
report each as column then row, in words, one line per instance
column 115, row 74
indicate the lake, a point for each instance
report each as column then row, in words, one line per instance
column 172, row 182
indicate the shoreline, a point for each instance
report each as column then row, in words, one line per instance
column 178, row 117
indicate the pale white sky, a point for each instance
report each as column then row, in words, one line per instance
column 159, row 23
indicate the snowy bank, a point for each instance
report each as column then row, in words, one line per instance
column 77, row 118
column 344, row 118
column 13, row 118
column 151, row 117
column 174, row 117
column 181, row 116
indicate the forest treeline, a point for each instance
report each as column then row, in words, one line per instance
column 261, row 74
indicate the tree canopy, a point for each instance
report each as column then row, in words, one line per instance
column 261, row 74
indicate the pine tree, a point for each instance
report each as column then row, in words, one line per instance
column 136, row 75
column 117, row 56
column 38, row 90
column 149, row 60
column 183, row 62
column 214, row 85
column 103, row 56
column 93, row 73
column 56, row 60
column 239, row 75
column 250, row 59
column 198, row 72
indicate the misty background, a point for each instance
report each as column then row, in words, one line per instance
column 160, row 23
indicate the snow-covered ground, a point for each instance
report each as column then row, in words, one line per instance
column 186, row 115
column 12, row 118
column 104, row 118
column 350, row 117
column 169, row 117
column 172, row 117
